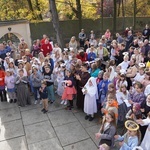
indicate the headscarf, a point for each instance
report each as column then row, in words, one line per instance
column 92, row 90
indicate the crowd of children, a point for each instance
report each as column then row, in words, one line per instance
column 113, row 81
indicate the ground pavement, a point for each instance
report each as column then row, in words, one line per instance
column 27, row 128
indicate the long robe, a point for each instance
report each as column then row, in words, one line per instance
column 90, row 105
column 80, row 84
column 23, row 96
column 146, row 143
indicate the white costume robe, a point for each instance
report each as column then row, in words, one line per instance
column 146, row 142
column 90, row 105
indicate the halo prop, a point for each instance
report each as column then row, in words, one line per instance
column 131, row 125
column 141, row 65
column 125, row 53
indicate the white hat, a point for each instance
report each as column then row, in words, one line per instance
column 123, row 71
column 141, row 65
column 7, row 54
column 125, row 53
column 71, row 48
column 65, row 49
column 97, row 59
column 63, row 65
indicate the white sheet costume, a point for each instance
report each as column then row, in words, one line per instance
column 146, row 142
column 90, row 106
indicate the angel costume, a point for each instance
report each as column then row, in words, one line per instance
column 90, row 106
column 146, row 143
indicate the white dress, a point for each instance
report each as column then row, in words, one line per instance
column 146, row 142
column 90, row 105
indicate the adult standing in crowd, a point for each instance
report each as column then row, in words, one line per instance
column 146, row 32
column 46, row 47
column 22, row 46
column 73, row 44
column 82, row 37
column 81, row 79
column 129, row 40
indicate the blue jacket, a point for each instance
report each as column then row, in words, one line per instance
column 3, row 52
column 44, row 94
column 91, row 56
column 131, row 142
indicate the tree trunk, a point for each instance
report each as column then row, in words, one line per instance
column 119, row 8
column 55, row 21
column 114, row 17
column 38, row 8
column 123, row 14
column 102, row 14
column 78, row 4
column 30, row 5
column 134, row 15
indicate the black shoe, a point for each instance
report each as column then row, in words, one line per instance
column 87, row 117
column 15, row 100
column 91, row 118
column 43, row 110
column 51, row 102
column 11, row 101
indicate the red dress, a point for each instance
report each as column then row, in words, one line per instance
column 68, row 93
column 2, row 79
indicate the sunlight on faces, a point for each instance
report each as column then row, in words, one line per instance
column 108, row 118
column 148, row 99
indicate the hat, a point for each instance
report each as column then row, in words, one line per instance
column 8, row 70
column 122, row 71
column 69, row 82
column 131, row 125
column 20, row 61
column 141, row 65
column 97, row 59
column 125, row 53
column 92, row 44
column 71, row 48
column 65, row 49
column 100, row 44
column 63, row 65
column 7, row 54
column 137, row 106
column 27, row 50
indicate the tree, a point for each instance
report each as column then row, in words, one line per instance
column 114, row 16
column 55, row 21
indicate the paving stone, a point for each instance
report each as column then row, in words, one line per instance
column 91, row 131
column 14, row 144
column 71, row 133
column 11, row 129
column 83, row 145
column 55, row 106
column 30, row 107
column 33, row 116
column 5, row 105
column 61, row 117
column 85, row 123
column 51, row 144
column 9, row 114
column 39, row 132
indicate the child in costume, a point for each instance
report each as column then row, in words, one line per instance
column 107, row 130
column 69, row 90
column 91, row 94
column 131, row 138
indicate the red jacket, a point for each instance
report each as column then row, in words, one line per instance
column 47, row 48
column 2, row 76
column 84, row 58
